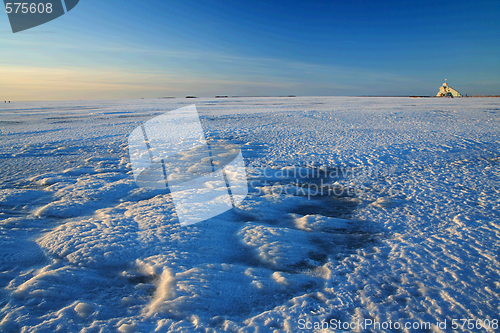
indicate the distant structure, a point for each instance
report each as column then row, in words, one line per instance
column 447, row 91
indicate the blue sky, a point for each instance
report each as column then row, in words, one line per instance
column 132, row 49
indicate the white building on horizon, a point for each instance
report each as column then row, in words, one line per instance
column 447, row 91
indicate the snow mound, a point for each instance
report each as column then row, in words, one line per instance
column 103, row 240
column 280, row 248
column 320, row 223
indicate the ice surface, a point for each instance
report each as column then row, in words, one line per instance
column 357, row 208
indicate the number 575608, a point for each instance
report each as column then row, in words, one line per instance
column 13, row 7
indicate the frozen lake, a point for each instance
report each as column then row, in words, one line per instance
column 360, row 210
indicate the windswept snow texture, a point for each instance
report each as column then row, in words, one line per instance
column 358, row 208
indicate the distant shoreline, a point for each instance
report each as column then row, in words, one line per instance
column 229, row 97
column 292, row 96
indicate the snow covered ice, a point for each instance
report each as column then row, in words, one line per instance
column 384, row 209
